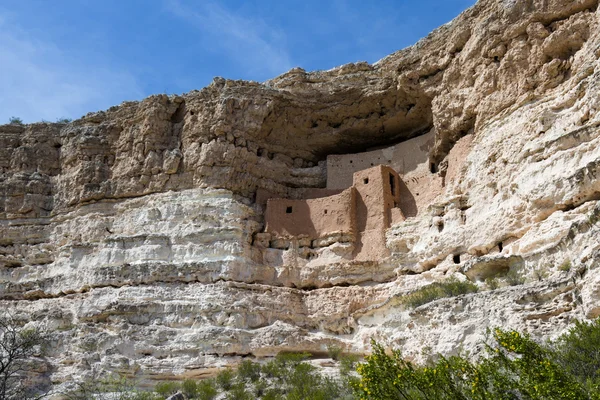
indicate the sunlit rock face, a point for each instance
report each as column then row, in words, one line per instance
column 136, row 235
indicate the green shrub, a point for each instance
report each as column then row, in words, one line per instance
column 272, row 394
column 167, row 389
column 449, row 288
column 206, row 390
column 283, row 363
column 514, row 367
column 565, row 266
column 15, row 121
column 239, row 392
column 334, row 351
column 189, row 388
column 492, row 283
column 347, row 364
column 260, row 387
column 514, row 276
column 578, row 351
column 225, row 379
column 113, row 387
column 63, row 120
column 540, row 274
column 248, row 371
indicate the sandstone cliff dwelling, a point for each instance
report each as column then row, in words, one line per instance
column 364, row 196
column 177, row 236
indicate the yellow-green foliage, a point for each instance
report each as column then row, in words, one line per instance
column 514, row 276
column 166, row 389
column 565, row 266
column 448, row 288
column 515, row 367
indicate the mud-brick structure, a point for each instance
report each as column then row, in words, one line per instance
column 402, row 157
column 359, row 214
column 314, row 218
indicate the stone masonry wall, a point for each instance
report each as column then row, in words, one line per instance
column 315, row 217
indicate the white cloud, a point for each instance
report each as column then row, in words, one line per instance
column 40, row 81
column 250, row 42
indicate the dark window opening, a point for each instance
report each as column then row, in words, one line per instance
column 288, row 210
column 440, row 226
column 260, row 152
column 350, row 161
column 433, row 168
column 325, row 212
column 456, row 259
column 192, row 112
column 393, row 184
column 500, row 247
column 372, row 164
column 496, row 58
column 366, row 180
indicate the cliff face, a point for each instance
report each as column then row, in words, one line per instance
column 136, row 234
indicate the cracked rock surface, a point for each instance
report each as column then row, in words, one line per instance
column 131, row 233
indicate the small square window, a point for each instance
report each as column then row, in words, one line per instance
column 366, row 180
column 325, row 212
column 288, row 210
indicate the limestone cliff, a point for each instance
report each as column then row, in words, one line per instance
column 137, row 234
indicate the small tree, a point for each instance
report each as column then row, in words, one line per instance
column 15, row 121
column 18, row 347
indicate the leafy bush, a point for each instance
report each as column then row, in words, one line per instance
column 63, row 120
column 272, row 394
column 347, row 364
column 514, row 277
column 167, row 389
column 578, row 352
column 540, row 274
column 565, row 266
column 514, row 367
column 189, row 388
column 334, row 352
column 492, row 283
column 449, row 288
column 15, row 121
column 206, row 390
column 113, row 387
column 238, row 392
column 248, row 371
column 225, row 379
column 287, row 377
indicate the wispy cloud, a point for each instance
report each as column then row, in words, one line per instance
column 38, row 80
column 250, row 42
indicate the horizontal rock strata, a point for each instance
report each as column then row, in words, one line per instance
column 136, row 234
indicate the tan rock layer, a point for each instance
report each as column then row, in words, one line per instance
column 132, row 233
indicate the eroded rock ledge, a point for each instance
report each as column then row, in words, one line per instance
column 138, row 233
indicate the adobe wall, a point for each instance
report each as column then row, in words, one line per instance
column 403, row 158
column 263, row 195
column 315, row 217
column 374, row 188
column 377, row 194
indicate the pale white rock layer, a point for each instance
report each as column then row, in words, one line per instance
column 132, row 233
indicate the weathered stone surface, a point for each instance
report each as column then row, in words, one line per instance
column 136, row 234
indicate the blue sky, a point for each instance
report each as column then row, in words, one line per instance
column 64, row 58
